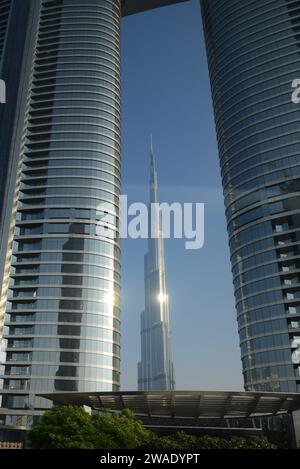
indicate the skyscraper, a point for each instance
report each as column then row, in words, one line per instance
column 253, row 51
column 62, row 318
column 155, row 370
column 60, row 174
column 13, row 17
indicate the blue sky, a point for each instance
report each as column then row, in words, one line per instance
column 166, row 91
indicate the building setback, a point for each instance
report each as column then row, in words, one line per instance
column 155, row 370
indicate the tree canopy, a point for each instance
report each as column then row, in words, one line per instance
column 71, row 427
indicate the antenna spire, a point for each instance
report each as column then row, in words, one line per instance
column 153, row 165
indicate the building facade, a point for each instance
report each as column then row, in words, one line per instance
column 253, row 51
column 155, row 370
column 59, row 200
column 62, row 314
column 13, row 16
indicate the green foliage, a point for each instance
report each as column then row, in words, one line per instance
column 184, row 441
column 62, row 427
column 254, row 442
column 119, row 431
column 71, row 427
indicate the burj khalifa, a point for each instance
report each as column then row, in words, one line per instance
column 155, row 370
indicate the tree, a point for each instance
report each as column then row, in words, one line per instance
column 254, row 442
column 64, row 427
column 184, row 441
column 71, row 427
column 119, row 431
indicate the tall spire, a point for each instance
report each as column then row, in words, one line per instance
column 152, row 155
column 155, row 370
column 152, row 158
column 153, row 174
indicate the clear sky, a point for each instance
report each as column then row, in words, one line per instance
column 166, row 91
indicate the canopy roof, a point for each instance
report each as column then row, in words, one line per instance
column 185, row 404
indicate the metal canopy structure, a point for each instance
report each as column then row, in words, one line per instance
column 130, row 7
column 185, row 404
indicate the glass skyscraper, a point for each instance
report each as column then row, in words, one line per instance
column 59, row 199
column 62, row 320
column 155, row 370
column 253, row 50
